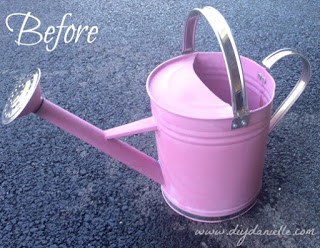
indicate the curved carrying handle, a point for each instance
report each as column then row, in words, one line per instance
column 305, row 76
column 231, row 57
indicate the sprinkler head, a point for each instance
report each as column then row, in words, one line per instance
column 25, row 98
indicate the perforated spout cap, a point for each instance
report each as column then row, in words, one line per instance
column 24, row 99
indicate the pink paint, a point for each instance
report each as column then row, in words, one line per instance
column 208, row 168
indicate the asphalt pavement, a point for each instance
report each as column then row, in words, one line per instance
column 56, row 191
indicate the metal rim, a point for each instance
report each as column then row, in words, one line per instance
column 20, row 97
column 209, row 219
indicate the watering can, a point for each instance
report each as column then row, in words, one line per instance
column 211, row 114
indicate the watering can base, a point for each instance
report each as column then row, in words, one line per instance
column 215, row 218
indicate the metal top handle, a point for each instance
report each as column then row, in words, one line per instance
column 231, row 57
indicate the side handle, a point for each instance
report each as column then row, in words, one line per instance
column 304, row 79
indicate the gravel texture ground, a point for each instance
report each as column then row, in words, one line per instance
column 56, row 191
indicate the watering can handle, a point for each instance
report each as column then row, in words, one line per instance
column 305, row 76
column 231, row 57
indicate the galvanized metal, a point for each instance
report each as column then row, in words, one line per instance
column 231, row 58
column 305, row 77
column 21, row 97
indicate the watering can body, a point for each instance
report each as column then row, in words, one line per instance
column 212, row 172
column 211, row 114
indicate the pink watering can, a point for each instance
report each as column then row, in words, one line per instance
column 211, row 113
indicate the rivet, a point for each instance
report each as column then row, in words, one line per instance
column 262, row 78
column 243, row 122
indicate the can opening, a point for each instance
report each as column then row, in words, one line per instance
column 211, row 70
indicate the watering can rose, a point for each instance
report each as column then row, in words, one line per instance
column 52, row 35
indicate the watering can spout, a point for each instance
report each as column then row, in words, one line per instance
column 26, row 98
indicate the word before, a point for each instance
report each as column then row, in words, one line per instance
column 52, row 35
